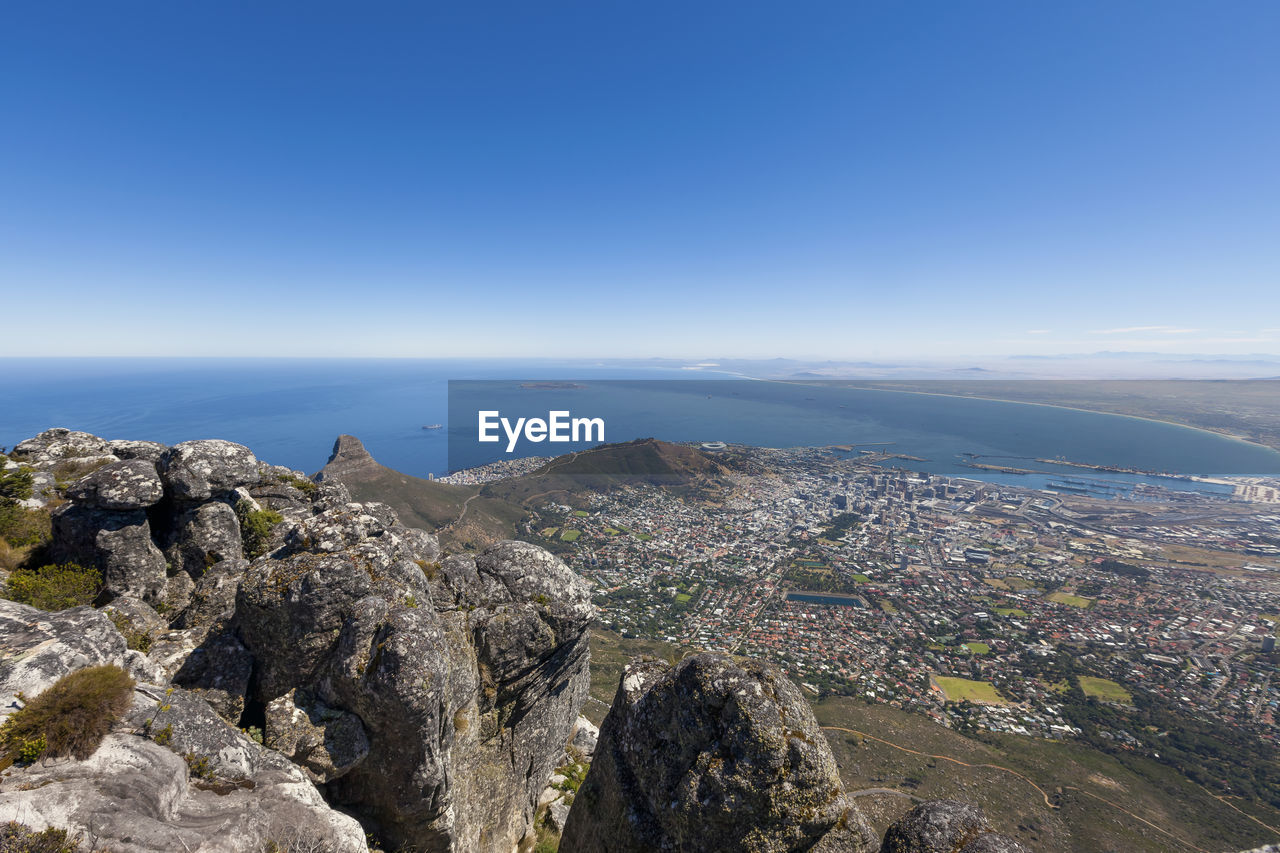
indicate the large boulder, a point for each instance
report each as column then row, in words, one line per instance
column 116, row 542
column 213, row 598
column 58, row 444
column 198, row 470
column 170, row 776
column 712, row 755
column 466, row 702
column 946, row 826
column 152, row 451
column 203, row 535
column 128, row 484
column 38, row 648
column 324, row 741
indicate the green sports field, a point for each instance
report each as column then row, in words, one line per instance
column 959, row 689
column 1104, row 689
column 1072, row 600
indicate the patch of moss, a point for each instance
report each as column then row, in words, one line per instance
column 255, row 527
column 302, row 484
column 134, row 638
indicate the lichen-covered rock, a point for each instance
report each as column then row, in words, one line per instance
column 198, row 470
column 211, row 663
column 557, row 815
column 203, row 535
column 213, row 599
column 432, row 697
column 116, row 542
column 54, row 445
column 38, row 648
column 336, row 529
column 324, row 741
column 172, row 776
column 137, row 793
column 136, row 616
column 467, row 705
column 712, row 755
column 152, row 451
column 128, row 484
column 584, row 737
column 946, row 826
column 282, row 496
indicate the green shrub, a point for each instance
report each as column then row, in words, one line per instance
column 16, row 485
column 255, row 527
column 54, row 587
column 67, row 471
column 19, row 838
column 133, row 637
column 72, row 716
column 199, row 766
column 22, row 527
column 302, row 484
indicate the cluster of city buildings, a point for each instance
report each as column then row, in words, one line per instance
column 940, row 594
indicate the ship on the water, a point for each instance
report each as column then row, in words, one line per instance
column 433, row 426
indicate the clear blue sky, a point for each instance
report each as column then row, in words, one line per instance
column 695, row 179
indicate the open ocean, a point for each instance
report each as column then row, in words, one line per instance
column 290, row 411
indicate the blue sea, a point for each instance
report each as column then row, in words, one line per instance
column 290, row 412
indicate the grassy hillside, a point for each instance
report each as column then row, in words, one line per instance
column 1095, row 803
column 608, row 467
column 1053, row 796
column 471, row 517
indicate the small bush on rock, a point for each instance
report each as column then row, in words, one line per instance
column 255, row 527
column 54, row 587
column 72, row 716
column 19, row 838
column 134, row 638
column 16, row 484
column 22, row 527
column 302, row 484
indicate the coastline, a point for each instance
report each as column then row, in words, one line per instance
column 1219, row 433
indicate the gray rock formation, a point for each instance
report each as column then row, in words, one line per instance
column 431, row 696
column 128, row 484
column 198, row 470
column 213, row 597
column 152, row 451
column 206, row 787
column 710, row 755
column 38, row 648
column 203, row 535
column 326, row 742
column 116, row 542
column 464, row 696
column 58, row 444
column 584, row 738
column 946, row 826
column 349, row 457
